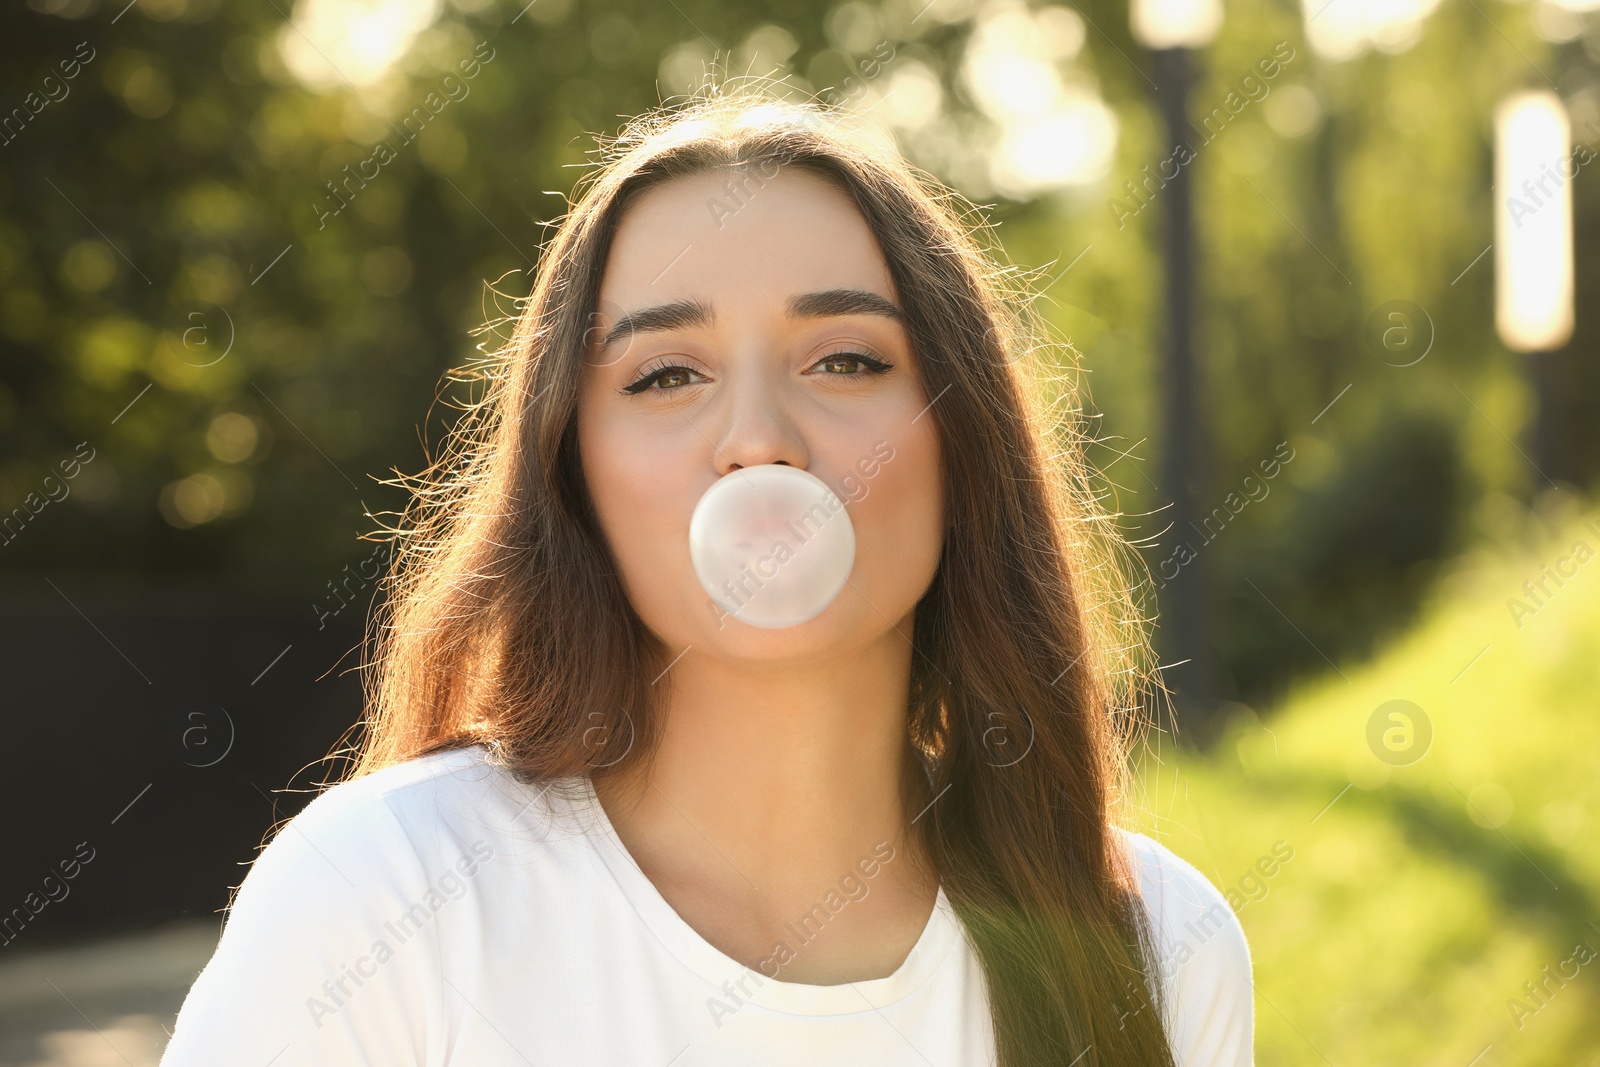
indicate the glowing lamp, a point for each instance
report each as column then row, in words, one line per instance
column 1158, row 24
column 1533, row 222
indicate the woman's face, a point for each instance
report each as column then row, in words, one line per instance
column 748, row 318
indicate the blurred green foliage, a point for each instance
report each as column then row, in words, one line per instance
column 190, row 196
column 1421, row 897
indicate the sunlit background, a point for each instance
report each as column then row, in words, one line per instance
column 1330, row 271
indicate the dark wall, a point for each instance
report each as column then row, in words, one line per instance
column 147, row 731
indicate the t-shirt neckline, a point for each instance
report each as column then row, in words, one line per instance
column 722, row 971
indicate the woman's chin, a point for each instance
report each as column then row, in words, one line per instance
column 748, row 634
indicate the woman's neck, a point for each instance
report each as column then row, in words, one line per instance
column 774, row 785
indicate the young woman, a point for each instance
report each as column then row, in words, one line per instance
column 596, row 819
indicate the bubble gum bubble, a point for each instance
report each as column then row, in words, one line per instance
column 772, row 545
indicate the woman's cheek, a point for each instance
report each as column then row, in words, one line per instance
column 622, row 489
column 650, row 527
column 899, row 516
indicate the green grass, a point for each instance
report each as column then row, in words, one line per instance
column 1417, row 905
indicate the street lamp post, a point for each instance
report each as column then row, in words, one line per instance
column 1533, row 250
column 1171, row 30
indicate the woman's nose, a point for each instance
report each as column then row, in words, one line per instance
column 756, row 426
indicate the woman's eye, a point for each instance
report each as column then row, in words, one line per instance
column 673, row 376
column 838, row 365
column 850, row 359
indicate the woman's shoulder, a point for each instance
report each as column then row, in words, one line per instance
column 1180, row 897
column 456, row 770
column 430, row 801
column 1203, row 959
column 395, row 833
column 343, row 922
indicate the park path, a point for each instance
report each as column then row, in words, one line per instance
column 103, row 1003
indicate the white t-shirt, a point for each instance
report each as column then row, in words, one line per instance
column 441, row 912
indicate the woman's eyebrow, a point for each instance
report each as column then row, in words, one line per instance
column 843, row 302
column 677, row 315
column 682, row 314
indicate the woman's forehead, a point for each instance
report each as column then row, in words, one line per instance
column 759, row 233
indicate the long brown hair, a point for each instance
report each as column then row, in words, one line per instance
column 506, row 625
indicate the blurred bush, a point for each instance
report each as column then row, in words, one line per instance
column 1439, row 898
column 240, row 243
